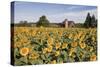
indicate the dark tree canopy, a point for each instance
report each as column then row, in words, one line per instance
column 90, row 21
column 23, row 22
column 96, row 22
column 93, row 21
column 43, row 21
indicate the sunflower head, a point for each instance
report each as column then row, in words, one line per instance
column 57, row 53
column 71, row 51
column 70, row 36
column 34, row 55
column 64, row 45
column 45, row 50
column 50, row 41
column 93, row 58
column 58, row 45
column 82, row 45
column 49, row 49
column 74, row 44
column 24, row 51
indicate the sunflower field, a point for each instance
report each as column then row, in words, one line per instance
column 33, row 45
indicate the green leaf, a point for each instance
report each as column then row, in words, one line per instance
column 59, row 60
column 40, row 61
column 43, row 57
column 36, row 61
column 32, row 61
column 47, row 55
column 16, row 53
column 24, row 60
column 18, row 62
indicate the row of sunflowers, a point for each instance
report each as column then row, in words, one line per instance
column 53, row 45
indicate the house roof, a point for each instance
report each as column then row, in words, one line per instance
column 70, row 22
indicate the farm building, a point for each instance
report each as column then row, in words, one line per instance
column 68, row 24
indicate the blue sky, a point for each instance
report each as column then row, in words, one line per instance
column 31, row 12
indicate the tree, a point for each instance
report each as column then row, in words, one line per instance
column 96, row 22
column 79, row 25
column 93, row 21
column 23, row 22
column 88, row 21
column 43, row 21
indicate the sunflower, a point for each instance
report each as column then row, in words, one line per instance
column 70, row 36
column 50, row 41
column 58, row 45
column 82, row 45
column 45, row 50
column 74, row 44
column 93, row 38
column 93, row 58
column 24, row 41
column 24, row 51
column 64, row 45
column 79, row 34
column 33, row 33
column 91, row 49
column 57, row 53
column 82, row 37
column 75, row 37
column 81, row 54
column 71, row 51
column 17, row 44
column 60, row 33
column 34, row 55
column 49, row 49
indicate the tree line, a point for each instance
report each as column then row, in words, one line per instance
column 90, row 22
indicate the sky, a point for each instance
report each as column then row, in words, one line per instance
column 55, row 13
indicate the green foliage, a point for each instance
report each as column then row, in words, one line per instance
column 93, row 21
column 79, row 25
column 90, row 21
column 54, row 45
column 43, row 21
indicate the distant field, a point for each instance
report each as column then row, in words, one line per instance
column 54, row 45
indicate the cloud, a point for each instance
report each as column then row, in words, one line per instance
column 78, row 17
column 75, row 7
